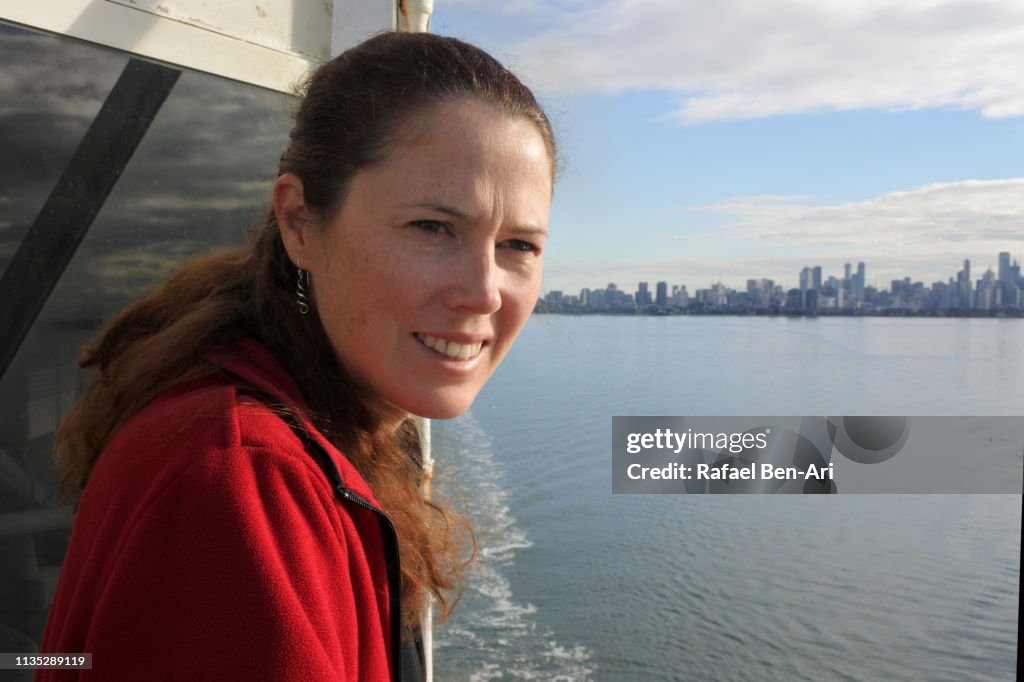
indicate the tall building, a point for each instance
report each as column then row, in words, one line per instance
column 661, row 293
column 1004, row 267
column 613, row 295
column 795, row 300
column 988, row 294
column 1013, row 290
column 963, row 285
column 805, row 279
column 861, row 282
column 816, row 278
column 643, row 296
column 944, row 294
column 719, row 294
column 811, row 301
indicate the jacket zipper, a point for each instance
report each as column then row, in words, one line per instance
column 394, row 574
column 326, row 464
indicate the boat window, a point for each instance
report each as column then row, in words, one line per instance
column 114, row 171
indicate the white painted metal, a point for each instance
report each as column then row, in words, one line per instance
column 268, row 43
column 414, row 15
column 427, row 625
column 165, row 39
column 284, row 25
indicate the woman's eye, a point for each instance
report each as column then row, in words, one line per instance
column 520, row 245
column 431, row 226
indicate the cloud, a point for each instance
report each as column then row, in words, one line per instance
column 924, row 233
column 736, row 59
column 932, row 218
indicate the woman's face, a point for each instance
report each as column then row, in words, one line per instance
column 433, row 264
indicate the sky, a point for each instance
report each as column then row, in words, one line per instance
column 708, row 141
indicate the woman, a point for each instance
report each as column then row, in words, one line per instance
column 248, row 469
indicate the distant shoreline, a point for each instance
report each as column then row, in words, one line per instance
column 1013, row 313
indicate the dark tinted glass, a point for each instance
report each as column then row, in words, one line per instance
column 197, row 180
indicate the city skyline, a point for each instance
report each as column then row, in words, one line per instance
column 879, row 276
column 1000, row 289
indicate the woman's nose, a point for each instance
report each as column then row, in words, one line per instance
column 474, row 286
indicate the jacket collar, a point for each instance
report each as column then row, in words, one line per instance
column 251, row 361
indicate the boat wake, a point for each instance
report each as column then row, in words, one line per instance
column 491, row 635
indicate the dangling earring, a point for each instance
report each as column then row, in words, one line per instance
column 300, row 290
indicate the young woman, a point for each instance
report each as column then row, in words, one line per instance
column 248, row 469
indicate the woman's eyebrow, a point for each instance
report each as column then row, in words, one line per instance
column 441, row 208
column 529, row 230
column 461, row 215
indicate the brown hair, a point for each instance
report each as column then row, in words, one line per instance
column 353, row 111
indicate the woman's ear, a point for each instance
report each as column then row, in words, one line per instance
column 294, row 218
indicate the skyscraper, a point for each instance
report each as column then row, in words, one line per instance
column 963, row 281
column 661, row 293
column 643, row 296
column 805, row 279
column 1004, row 267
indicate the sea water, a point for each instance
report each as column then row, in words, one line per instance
column 574, row 583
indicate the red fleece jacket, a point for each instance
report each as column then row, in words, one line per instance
column 208, row 545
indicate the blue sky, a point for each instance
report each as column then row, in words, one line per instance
column 717, row 141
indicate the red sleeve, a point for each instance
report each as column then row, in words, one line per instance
column 243, row 567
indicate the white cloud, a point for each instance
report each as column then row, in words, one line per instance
column 933, row 218
column 924, row 233
column 734, row 59
column 921, row 232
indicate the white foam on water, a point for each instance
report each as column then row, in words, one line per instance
column 491, row 635
column 489, row 672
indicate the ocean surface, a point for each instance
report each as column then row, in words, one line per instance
column 574, row 583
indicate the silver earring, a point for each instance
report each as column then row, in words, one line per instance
column 300, row 290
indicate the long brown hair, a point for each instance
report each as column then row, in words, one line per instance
column 353, row 111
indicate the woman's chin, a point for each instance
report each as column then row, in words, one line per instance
column 441, row 407
column 446, row 413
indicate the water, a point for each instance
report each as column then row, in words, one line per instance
column 578, row 584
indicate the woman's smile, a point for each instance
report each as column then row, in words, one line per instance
column 449, row 348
